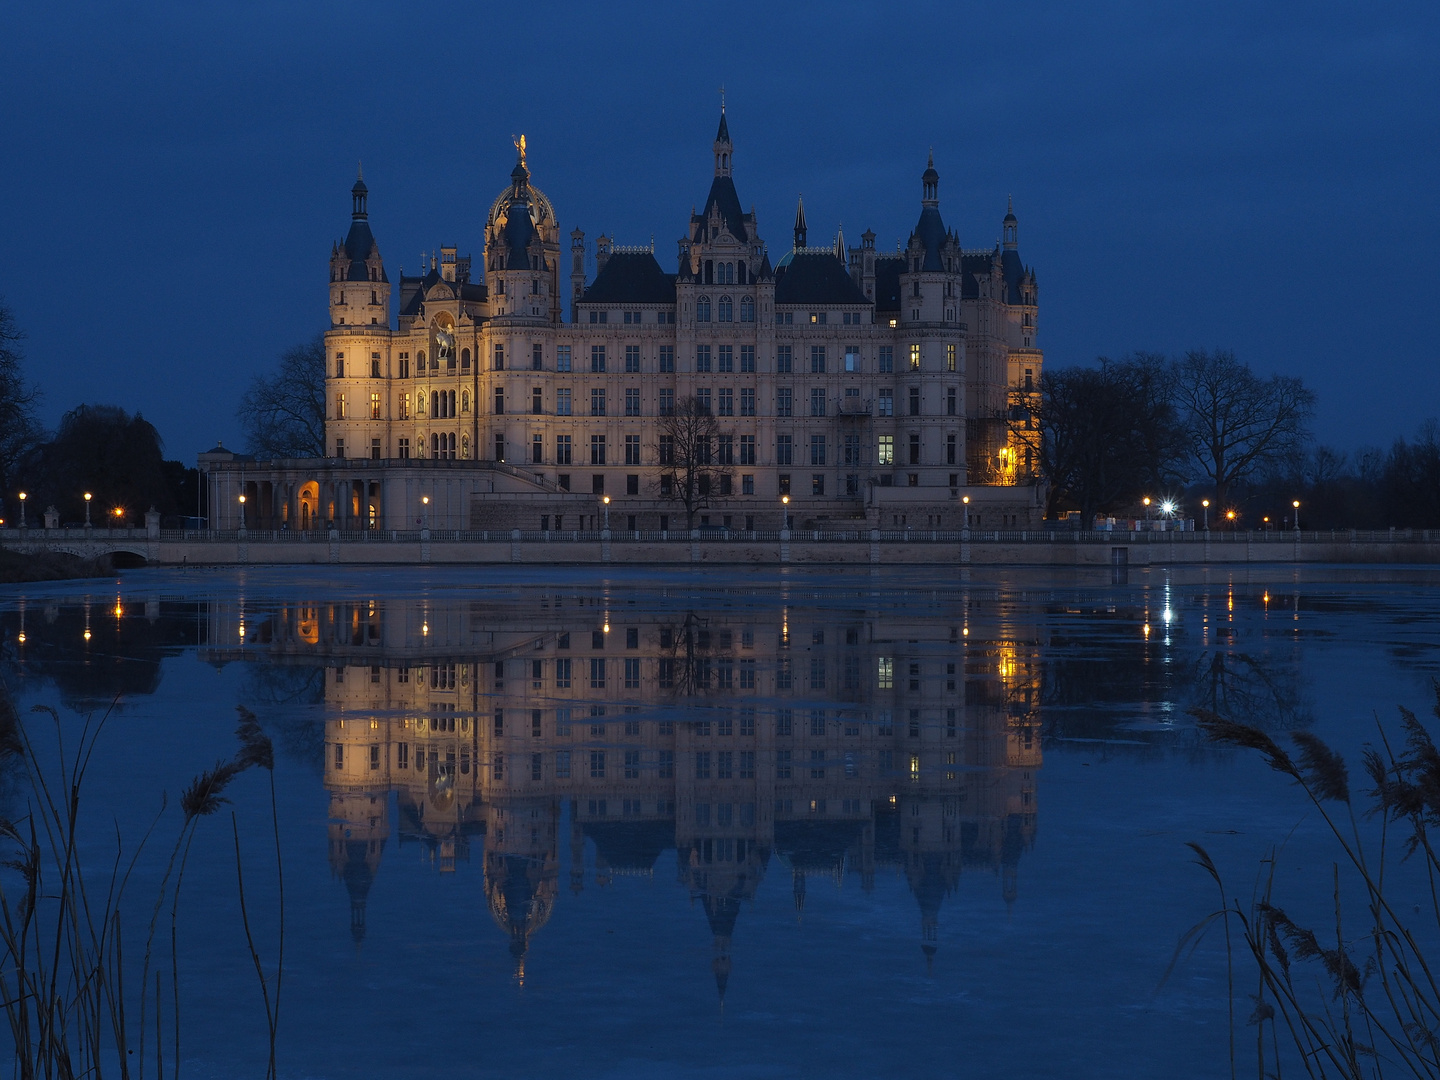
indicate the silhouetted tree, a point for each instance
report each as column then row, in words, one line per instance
column 688, row 454
column 283, row 414
column 19, row 430
column 104, row 450
column 1107, row 434
column 1411, row 484
column 1237, row 422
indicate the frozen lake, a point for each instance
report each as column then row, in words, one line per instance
column 727, row 822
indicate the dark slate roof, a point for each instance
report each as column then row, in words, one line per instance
column 887, row 283
column 972, row 266
column 359, row 243
column 1014, row 271
column 815, row 279
column 519, row 230
column 630, row 845
column 723, row 135
column 766, row 271
column 931, row 231
column 724, row 195
column 631, row 279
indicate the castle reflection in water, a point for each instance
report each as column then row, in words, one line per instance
column 743, row 733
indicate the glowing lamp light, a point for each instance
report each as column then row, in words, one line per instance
column 425, row 499
column 88, row 496
column 1205, row 503
column 785, row 499
column 21, row 638
column 87, row 634
column 965, row 499
column 1146, row 500
column 1229, row 515
column 1295, row 504
column 242, row 498
column 1168, row 506
column 606, row 500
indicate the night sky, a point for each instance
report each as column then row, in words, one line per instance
column 1260, row 177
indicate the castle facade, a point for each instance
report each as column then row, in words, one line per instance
column 847, row 385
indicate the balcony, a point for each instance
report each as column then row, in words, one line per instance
column 853, row 406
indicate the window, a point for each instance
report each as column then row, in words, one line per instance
column 597, row 764
column 727, row 402
column 951, row 400
column 632, row 673
column 404, row 365
column 782, row 765
column 402, row 449
column 702, row 357
column 499, row 401
column 747, row 309
column 597, row 673
column 562, row 357
column 562, row 682
column 597, row 449
column 725, row 310
column 885, row 450
column 817, row 450
column 537, row 449
column 562, row 401
column 817, row 359
column 817, row 483
column 404, row 403
column 817, row 764
column 339, row 365
column 632, row 449
column 667, row 358
column 499, row 447
column 784, row 401
column 747, row 358
column 784, row 450
column 339, row 411
column 887, row 359
column 374, row 406
column 949, row 357
column 887, row 402
column 537, row 766
column 950, row 448
column 915, row 449
column 702, row 309
column 632, row 484
column 747, row 486
column 817, row 401
column 725, row 358
column 632, row 765
column 562, row 764
column 914, row 401
column 747, row 451
column 597, row 357
column 747, row 401
column 702, row 765
column 915, row 357
column 852, row 359
column 562, row 450
column 597, row 401
column 702, row 400
column 784, row 360
column 537, row 358
column 724, row 765
column 667, row 449
column 852, row 450
column 632, row 356
column 499, row 358
column 724, row 451
column 667, row 402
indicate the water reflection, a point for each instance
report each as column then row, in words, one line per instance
column 824, row 741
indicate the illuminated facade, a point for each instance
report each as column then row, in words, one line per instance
column 868, row 386
column 828, row 741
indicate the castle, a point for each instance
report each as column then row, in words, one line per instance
column 842, row 385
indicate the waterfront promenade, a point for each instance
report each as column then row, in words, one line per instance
column 1048, row 547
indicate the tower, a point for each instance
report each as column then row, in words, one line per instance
column 359, row 287
column 800, row 229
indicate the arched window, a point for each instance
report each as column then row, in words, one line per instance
column 702, row 309
column 465, row 359
column 747, row 309
column 742, row 273
column 419, row 362
column 727, row 310
column 434, row 403
column 709, row 272
column 434, row 446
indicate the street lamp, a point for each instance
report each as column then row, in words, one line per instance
column 22, row 509
column 88, row 497
column 119, row 514
column 242, row 511
column 1146, row 501
column 606, row 501
column 1206, row 504
column 1295, row 504
column 785, row 502
column 1230, row 517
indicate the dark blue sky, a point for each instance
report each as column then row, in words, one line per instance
column 1254, row 176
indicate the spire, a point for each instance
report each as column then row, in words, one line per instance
column 358, row 195
column 800, row 224
column 1010, row 227
column 840, row 243
column 930, row 183
column 724, row 148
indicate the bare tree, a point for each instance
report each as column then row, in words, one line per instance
column 1236, row 421
column 1106, row 435
column 283, row 414
column 689, row 453
column 19, row 430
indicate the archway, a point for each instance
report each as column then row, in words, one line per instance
column 309, row 506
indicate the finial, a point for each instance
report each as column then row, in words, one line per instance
column 519, row 143
column 931, row 163
column 722, row 97
column 359, row 170
column 1009, row 204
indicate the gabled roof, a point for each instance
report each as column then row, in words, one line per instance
column 804, row 278
column 724, row 196
column 631, row 278
column 887, row 283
